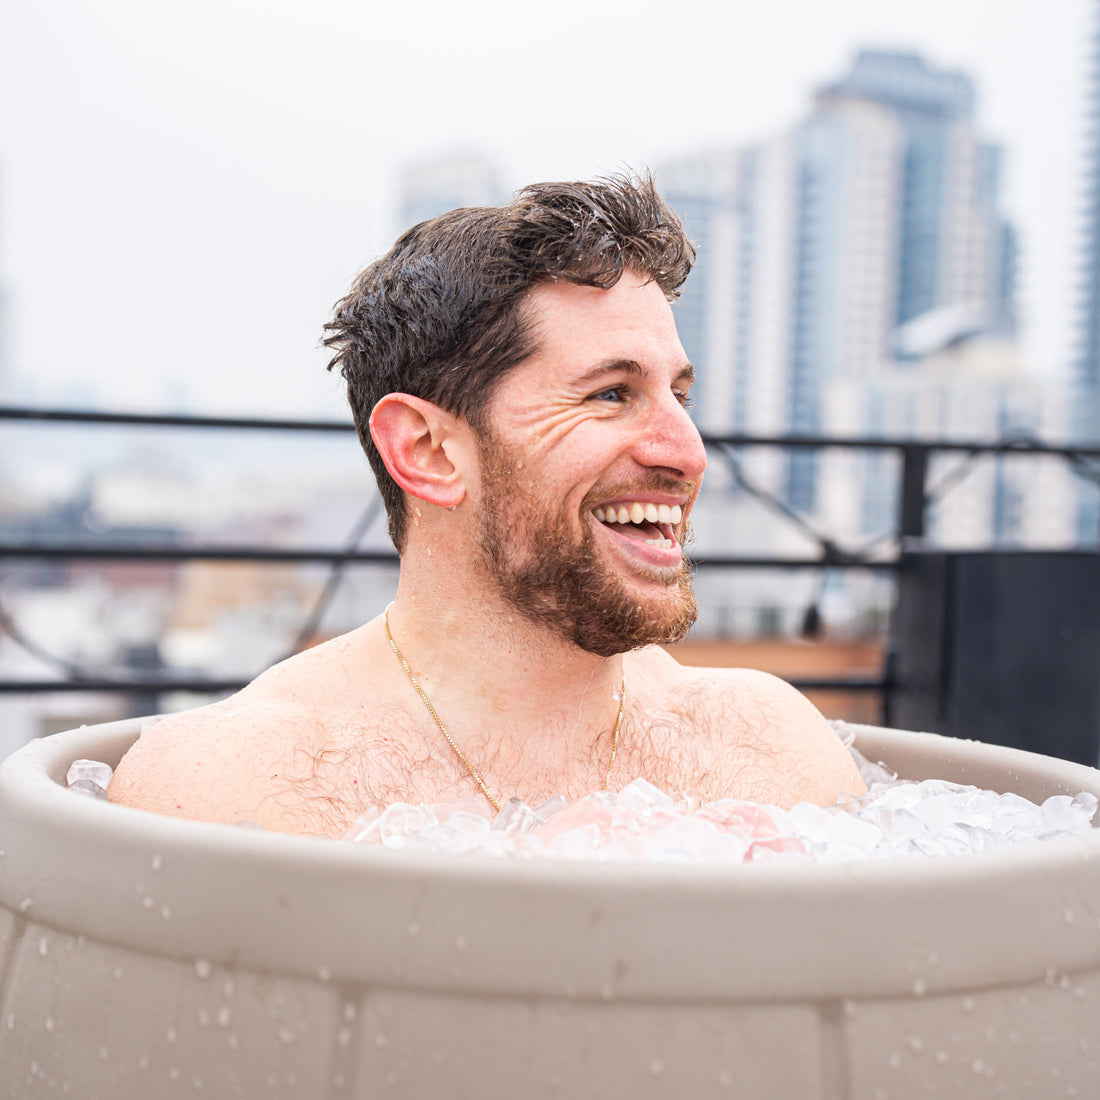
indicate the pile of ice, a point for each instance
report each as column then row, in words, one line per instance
column 640, row 822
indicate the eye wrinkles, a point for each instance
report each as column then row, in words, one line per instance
column 621, row 391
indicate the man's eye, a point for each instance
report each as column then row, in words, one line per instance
column 612, row 393
column 684, row 398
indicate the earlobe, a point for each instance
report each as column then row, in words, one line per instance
column 415, row 439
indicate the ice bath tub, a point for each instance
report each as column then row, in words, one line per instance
column 142, row 956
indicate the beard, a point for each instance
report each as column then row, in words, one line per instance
column 550, row 572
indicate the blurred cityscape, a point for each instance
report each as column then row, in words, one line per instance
column 856, row 280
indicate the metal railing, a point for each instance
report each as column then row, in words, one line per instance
column 911, row 519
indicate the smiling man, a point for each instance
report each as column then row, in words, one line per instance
column 521, row 393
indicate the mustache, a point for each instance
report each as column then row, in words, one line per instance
column 648, row 483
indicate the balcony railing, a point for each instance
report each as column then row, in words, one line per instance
column 910, row 524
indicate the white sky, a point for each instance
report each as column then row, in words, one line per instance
column 185, row 189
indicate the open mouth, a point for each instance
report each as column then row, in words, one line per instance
column 650, row 523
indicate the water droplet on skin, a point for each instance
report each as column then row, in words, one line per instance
column 174, row 1072
column 920, row 987
column 380, row 1040
column 324, row 974
column 343, row 1037
column 725, row 1078
column 350, row 1012
column 224, row 1016
column 232, row 1041
column 143, row 1062
column 25, row 905
column 204, row 1018
column 203, row 969
column 49, row 1023
column 968, row 1004
column 461, row 943
column 287, row 1035
column 413, row 931
column 942, row 1057
column 156, row 863
column 170, row 1035
column 147, row 902
column 165, row 912
column 656, row 1067
column 43, row 946
column 429, row 551
column 1071, row 916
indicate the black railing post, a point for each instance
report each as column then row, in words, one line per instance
column 914, row 469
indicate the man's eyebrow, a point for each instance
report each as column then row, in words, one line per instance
column 628, row 366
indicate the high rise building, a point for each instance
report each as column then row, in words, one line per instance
column 868, row 235
column 1087, row 366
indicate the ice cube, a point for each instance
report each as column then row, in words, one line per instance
column 516, row 817
column 546, row 810
column 402, row 822
column 365, row 829
column 1065, row 816
column 91, row 770
column 87, row 787
column 641, row 795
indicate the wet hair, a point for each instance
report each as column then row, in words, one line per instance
column 439, row 316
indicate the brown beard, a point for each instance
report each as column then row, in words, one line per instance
column 551, row 575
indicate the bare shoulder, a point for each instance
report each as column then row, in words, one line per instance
column 799, row 755
column 225, row 763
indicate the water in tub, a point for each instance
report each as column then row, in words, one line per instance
column 896, row 818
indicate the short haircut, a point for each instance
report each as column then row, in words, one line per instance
column 439, row 315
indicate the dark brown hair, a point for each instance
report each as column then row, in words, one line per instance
column 439, row 315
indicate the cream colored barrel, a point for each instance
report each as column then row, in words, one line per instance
column 141, row 956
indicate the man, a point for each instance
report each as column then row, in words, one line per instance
column 521, row 393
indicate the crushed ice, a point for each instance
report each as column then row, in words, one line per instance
column 640, row 822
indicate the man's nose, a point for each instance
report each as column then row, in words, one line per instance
column 673, row 442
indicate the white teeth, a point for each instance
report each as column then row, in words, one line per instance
column 662, row 544
column 636, row 512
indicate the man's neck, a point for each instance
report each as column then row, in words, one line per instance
column 497, row 676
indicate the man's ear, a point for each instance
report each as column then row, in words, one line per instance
column 420, row 444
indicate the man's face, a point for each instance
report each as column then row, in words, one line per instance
column 590, row 468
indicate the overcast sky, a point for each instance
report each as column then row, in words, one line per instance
column 185, row 189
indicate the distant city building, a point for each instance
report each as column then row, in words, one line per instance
column 433, row 187
column 1086, row 367
column 868, row 236
column 856, row 277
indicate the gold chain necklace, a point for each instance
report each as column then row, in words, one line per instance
column 451, row 741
